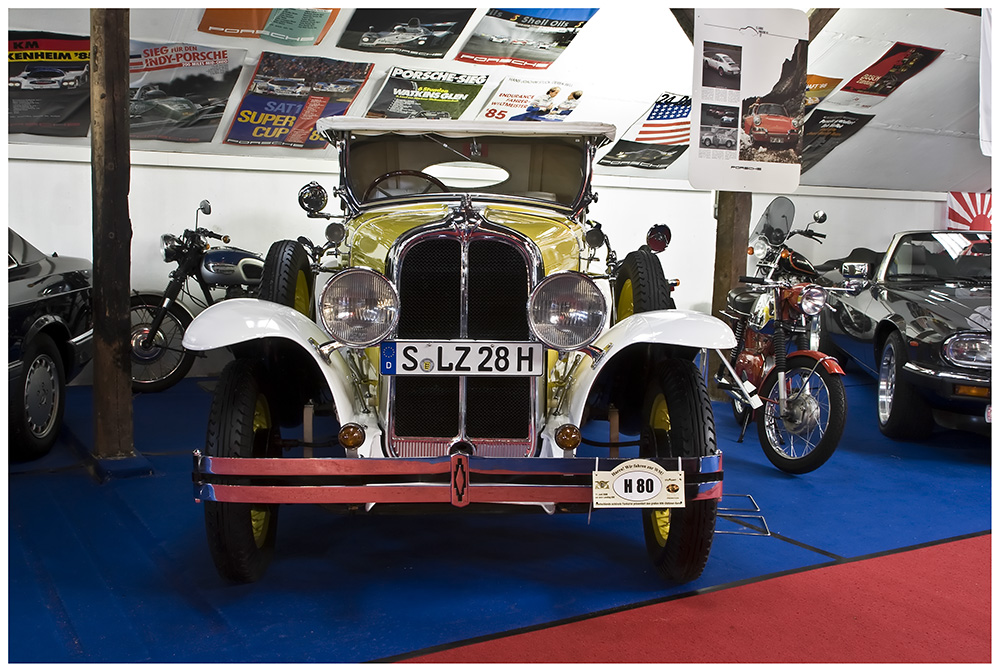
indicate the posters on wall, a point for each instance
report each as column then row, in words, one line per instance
column 825, row 131
column 901, row 62
column 48, row 84
column 970, row 211
column 657, row 139
column 424, row 33
column 531, row 100
column 289, row 93
column 281, row 26
column 818, row 88
column 749, row 86
column 523, row 38
column 179, row 92
column 419, row 94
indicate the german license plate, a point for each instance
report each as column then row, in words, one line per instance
column 777, row 141
column 461, row 358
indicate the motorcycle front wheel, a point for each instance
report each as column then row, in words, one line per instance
column 161, row 361
column 805, row 438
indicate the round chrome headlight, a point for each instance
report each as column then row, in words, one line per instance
column 566, row 311
column 969, row 349
column 359, row 307
column 170, row 247
column 812, row 299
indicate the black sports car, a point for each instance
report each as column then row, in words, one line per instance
column 50, row 339
column 923, row 326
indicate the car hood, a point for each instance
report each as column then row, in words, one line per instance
column 775, row 122
column 374, row 231
column 962, row 305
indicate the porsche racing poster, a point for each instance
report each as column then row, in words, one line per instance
column 825, row 131
column 289, row 93
column 656, row 140
column 531, row 100
column 178, row 92
column 424, row 33
column 748, row 99
column 818, row 88
column 523, row 38
column 417, row 94
column 48, row 84
column 901, row 62
column 293, row 27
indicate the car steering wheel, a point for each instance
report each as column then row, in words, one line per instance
column 430, row 179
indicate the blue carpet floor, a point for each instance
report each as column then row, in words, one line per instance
column 118, row 570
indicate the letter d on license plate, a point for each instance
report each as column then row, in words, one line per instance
column 461, row 358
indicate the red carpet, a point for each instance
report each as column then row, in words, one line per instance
column 928, row 605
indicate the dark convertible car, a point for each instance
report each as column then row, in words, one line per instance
column 50, row 335
column 923, row 326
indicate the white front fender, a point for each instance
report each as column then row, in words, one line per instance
column 240, row 320
column 668, row 327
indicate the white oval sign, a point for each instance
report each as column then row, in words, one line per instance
column 637, row 486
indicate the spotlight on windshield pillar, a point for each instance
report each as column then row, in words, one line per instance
column 568, row 437
column 658, row 237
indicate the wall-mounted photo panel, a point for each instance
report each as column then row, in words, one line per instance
column 748, row 99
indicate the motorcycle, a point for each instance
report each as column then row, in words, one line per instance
column 160, row 320
column 776, row 373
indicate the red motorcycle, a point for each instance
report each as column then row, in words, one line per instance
column 776, row 373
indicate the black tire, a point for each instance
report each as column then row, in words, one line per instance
column 164, row 362
column 640, row 285
column 798, row 447
column 707, row 142
column 287, row 276
column 679, row 414
column 902, row 412
column 241, row 536
column 37, row 400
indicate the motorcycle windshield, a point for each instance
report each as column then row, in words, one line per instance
column 775, row 223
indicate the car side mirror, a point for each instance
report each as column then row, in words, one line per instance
column 856, row 270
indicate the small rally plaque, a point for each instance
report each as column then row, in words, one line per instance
column 638, row 483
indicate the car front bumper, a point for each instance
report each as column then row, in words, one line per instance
column 458, row 480
column 943, row 391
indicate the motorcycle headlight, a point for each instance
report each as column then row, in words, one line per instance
column 566, row 311
column 812, row 299
column 170, row 247
column 359, row 307
column 969, row 349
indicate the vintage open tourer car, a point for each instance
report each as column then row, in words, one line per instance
column 453, row 328
column 923, row 326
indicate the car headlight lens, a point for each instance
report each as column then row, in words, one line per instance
column 969, row 349
column 359, row 307
column 812, row 299
column 170, row 247
column 566, row 311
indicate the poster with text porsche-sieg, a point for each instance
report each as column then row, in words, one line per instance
column 748, row 99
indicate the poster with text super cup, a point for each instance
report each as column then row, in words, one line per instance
column 289, row 93
column 179, row 92
column 48, row 84
column 523, row 38
column 532, row 100
column 749, row 70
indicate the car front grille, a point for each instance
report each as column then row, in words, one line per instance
column 453, row 284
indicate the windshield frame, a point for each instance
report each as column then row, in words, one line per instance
column 952, row 244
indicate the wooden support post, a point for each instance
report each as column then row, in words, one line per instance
column 731, row 239
column 109, row 85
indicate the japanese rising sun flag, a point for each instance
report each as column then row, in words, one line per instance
column 970, row 211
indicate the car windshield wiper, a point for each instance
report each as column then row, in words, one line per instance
column 912, row 276
column 987, row 279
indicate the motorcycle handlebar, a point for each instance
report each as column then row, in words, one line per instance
column 746, row 279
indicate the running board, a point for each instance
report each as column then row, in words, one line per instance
column 737, row 516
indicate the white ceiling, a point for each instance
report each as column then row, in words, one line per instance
column 924, row 137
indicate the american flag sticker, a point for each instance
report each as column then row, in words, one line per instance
column 668, row 121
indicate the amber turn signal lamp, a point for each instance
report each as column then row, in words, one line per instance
column 785, row 254
column 750, row 251
column 351, row 435
column 972, row 391
column 568, row 437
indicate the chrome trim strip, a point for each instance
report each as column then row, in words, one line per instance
column 961, row 377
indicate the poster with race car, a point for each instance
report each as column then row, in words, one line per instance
column 825, row 131
column 748, row 99
column 289, row 93
column 901, row 62
column 421, row 94
column 48, row 85
column 532, row 100
column 657, row 139
column 178, row 92
column 282, row 26
column 818, row 88
column 424, row 33
column 523, row 38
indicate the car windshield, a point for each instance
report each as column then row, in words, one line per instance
column 46, row 73
column 725, row 59
column 942, row 255
column 775, row 223
column 771, row 108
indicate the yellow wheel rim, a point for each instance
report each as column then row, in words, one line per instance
column 659, row 418
column 626, row 306
column 301, row 294
column 260, row 515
